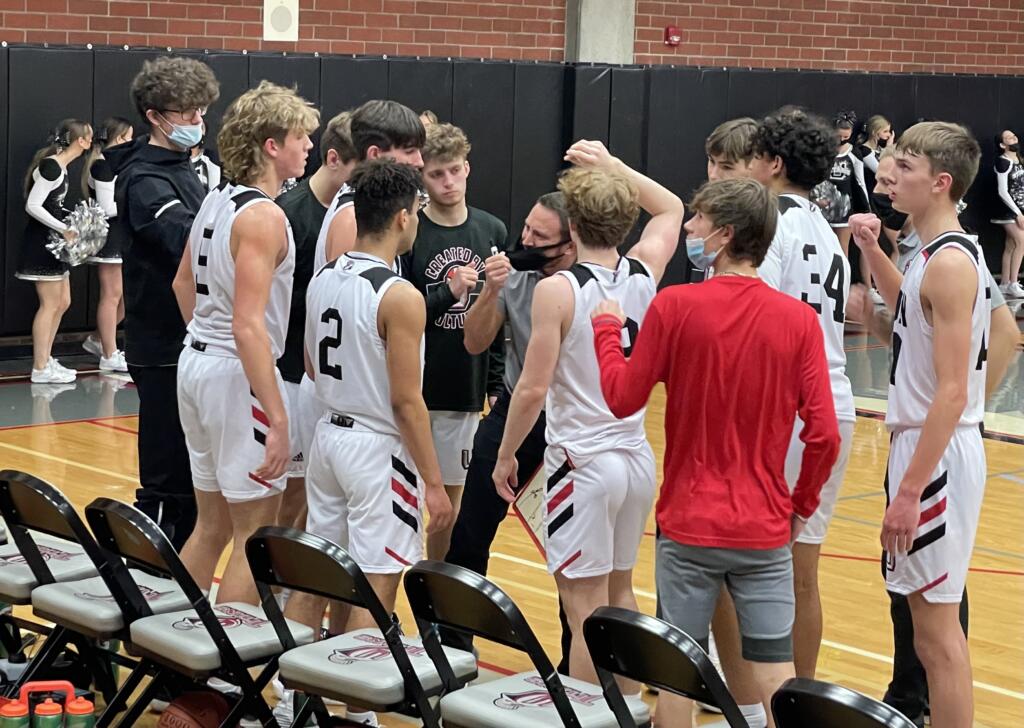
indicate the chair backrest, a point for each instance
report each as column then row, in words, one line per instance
column 651, row 651
column 451, row 596
column 801, row 702
column 28, row 504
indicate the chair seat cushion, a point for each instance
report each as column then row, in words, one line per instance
column 88, row 603
column 360, row 665
column 181, row 638
column 522, row 701
column 67, row 562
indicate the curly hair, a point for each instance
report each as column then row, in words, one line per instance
column 603, row 207
column 381, row 188
column 173, row 83
column 949, row 148
column 266, row 112
column 805, row 142
column 445, row 143
column 746, row 205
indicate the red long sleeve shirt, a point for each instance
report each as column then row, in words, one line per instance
column 739, row 361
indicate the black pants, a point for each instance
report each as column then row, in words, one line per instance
column 483, row 510
column 908, row 691
column 166, row 494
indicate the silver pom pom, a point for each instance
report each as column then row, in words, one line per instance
column 89, row 224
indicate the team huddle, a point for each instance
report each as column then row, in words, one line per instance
column 344, row 337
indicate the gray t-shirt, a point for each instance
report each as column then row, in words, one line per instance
column 515, row 301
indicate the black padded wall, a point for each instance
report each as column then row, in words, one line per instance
column 345, row 83
column 422, row 84
column 4, row 106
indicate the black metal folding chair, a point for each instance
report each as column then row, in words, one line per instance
column 444, row 595
column 203, row 641
column 651, row 651
column 802, row 702
column 379, row 669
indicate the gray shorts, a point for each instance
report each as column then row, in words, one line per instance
column 689, row 580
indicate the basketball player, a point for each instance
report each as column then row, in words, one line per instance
column 305, row 206
column 234, row 288
column 378, row 129
column 729, row 149
column 600, row 469
column 452, row 243
column 936, row 473
column 158, row 195
column 725, row 513
column 372, row 461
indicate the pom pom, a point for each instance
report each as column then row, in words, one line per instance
column 834, row 205
column 89, row 224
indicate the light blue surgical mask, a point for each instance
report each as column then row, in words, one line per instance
column 185, row 136
column 695, row 251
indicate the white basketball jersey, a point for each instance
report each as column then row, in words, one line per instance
column 343, row 339
column 343, row 199
column 912, row 380
column 214, row 269
column 578, row 419
column 806, row 261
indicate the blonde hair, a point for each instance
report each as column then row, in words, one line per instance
column 445, row 143
column 874, row 125
column 749, row 207
column 266, row 112
column 733, row 140
column 603, row 207
column 949, row 148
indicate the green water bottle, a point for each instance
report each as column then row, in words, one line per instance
column 14, row 715
column 48, row 714
column 79, row 714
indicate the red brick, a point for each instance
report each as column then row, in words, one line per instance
column 25, row 21
column 12, row 5
column 147, row 25
column 129, row 9
column 168, row 10
column 205, row 12
column 63, row 21
column 186, row 27
column 89, row 7
column 46, row 36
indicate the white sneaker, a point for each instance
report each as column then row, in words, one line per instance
column 279, row 690
column 368, row 718
column 114, row 363
column 284, row 711
column 56, row 365
column 876, row 297
column 93, row 345
column 51, row 375
column 1015, row 290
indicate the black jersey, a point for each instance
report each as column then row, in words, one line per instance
column 306, row 215
column 843, row 192
column 453, row 379
column 1010, row 184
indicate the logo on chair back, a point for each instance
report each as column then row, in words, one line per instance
column 375, row 650
column 542, row 698
column 48, row 554
column 228, row 617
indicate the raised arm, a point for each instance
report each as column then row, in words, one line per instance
column 486, row 316
column 402, row 318
column 865, row 229
column 660, row 238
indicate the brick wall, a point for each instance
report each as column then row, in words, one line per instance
column 957, row 36
column 530, row 29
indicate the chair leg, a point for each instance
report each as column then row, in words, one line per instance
column 135, row 711
column 120, row 699
column 46, row 656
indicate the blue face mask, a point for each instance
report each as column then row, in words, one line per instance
column 185, row 136
column 695, row 251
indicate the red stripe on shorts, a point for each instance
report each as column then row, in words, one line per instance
column 936, row 582
column 260, row 416
column 568, row 562
column 562, row 495
column 260, row 480
column 932, row 512
column 404, row 494
column 396, row 557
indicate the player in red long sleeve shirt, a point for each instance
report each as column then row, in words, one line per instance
column 739, row 361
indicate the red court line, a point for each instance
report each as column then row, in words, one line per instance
column 495, row 668
column 100, row 423
column 92, row 420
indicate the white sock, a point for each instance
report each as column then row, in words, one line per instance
column 755, row 715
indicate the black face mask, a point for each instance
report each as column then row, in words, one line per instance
column 843, row 141
column 1013, row 148
column 883, row 143
column 535, row 258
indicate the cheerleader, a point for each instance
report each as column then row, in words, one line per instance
column 876, row 136
column 845, row 191
column 1010, row 183
column 46, row 185
column 98, row 184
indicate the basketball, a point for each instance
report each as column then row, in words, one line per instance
column 198, row 709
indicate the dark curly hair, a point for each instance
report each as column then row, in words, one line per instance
column 173, row 83
column 805, row 142
column 382, row 187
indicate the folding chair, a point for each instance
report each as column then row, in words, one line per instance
column 379, row 669
column 651, row 651
column 445, row 595
column 802, row 702
column 204, row 641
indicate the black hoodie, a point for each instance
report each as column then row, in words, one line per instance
column 158, row 195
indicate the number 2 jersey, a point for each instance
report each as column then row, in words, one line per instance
column 214, row 269
column 578, row 418
column 343, row 339
column 806, row 261
column 912, row 381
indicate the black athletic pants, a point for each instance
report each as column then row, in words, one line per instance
column 908, row 691
column 166, row 494
column 483, row 510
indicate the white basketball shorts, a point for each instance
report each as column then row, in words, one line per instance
column 453, row 441
column 817, row 526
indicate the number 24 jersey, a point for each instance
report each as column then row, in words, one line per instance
column 806, row 261
column 343, row 340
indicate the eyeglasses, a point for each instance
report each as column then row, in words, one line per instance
column 424, row 199
column 188, row 114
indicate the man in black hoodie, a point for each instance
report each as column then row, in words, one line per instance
column 160, row 194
